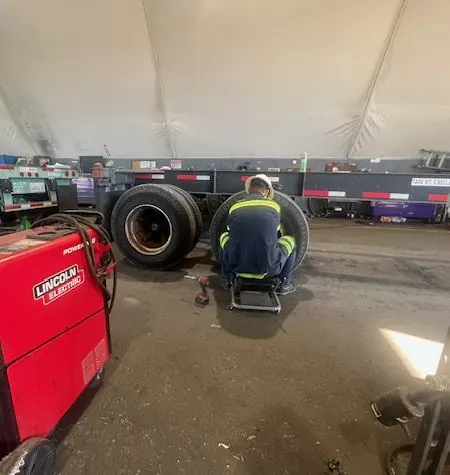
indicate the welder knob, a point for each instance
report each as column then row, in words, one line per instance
column 396, row 407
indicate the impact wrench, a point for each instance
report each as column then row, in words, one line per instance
column 202, row 297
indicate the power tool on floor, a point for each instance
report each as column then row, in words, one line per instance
column 54, row 331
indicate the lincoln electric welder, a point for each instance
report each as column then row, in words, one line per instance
column 54, row 332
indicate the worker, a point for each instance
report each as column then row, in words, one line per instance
column 251, row 248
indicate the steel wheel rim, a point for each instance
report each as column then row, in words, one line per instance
column 148, row 229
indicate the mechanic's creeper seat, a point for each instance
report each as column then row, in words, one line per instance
column 255, row 294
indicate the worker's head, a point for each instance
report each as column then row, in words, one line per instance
column 259, row 184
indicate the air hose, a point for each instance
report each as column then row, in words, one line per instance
column 80, row 225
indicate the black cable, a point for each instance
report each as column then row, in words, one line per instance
column 81, row 225
column 107, row 240
column 103, row 233
column 393, row 455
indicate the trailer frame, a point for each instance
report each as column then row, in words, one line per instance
column 357, row 186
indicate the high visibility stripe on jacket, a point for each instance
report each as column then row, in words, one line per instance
column 224, row 238
column 252, row 248
column 255, row 203
column 287, row 243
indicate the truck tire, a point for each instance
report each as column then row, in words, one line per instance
column 317, row 206
column 196, row 211
column 107, row 210
column 150, row 224
column 293, row 222
column 35, row 456
column 192, row 230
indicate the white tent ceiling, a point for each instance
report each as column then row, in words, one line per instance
column 220, row 78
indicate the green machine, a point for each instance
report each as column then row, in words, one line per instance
column 24, row 189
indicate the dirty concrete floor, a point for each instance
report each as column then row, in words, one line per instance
column 208, row 391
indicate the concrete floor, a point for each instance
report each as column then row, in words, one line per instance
column 207, row 391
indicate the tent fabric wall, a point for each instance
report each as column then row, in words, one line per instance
column 80, row 74
column 413, row 96
column 12, row 137
column 216, row 78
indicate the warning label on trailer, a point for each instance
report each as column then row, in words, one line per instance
column 58, row 284
column 176, row 164
column 437, row 182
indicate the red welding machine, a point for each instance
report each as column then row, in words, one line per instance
column 54, row 335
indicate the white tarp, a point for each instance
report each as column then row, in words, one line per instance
column 220, row 78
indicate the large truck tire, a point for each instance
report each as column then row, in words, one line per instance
column 107, row 210
column 153, row 226
column 35, row 456
column 293, row 223
column 192, row 230
column 196, row 211
column 317, row 206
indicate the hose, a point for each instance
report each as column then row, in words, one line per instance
column 80, row 225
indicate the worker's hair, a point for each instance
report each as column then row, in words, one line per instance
column 258, row 184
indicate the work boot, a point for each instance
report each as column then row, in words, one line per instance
column 225, row 285
column 287, row 288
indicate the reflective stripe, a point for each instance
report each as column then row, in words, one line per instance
column 286, row 248
column 249, row 203
column 224, row 238
column 252, row 276
column 287, row 243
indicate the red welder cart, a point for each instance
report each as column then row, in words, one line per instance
column 54, row 332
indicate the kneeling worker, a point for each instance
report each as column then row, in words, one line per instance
column 251, row 247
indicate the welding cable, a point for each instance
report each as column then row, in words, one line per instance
column 80, row 225
column 103, row 233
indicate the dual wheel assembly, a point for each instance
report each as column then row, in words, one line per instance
column 156, row 226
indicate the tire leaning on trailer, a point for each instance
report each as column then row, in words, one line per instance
column 154, row 226
column 293, row 222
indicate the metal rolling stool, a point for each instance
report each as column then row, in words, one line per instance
column 255, row 294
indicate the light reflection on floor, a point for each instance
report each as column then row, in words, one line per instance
column 419, row 355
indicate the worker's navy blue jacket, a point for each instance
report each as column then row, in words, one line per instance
column 251, row 244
